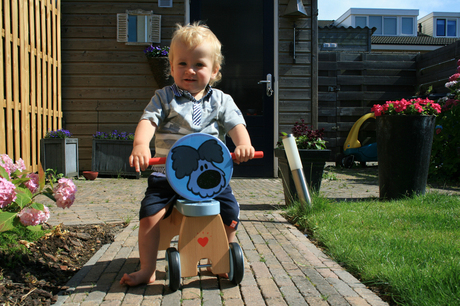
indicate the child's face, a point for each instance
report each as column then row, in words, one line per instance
column 193, row 68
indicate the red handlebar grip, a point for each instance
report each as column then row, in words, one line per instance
column 257, row 154
column 162, row 160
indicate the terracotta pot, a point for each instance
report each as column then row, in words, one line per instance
column 90, row 175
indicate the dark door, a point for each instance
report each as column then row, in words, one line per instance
column 245, row 29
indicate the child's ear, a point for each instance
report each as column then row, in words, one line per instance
column 215, row 71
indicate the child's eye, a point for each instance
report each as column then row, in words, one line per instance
column 182, row 64
column 200, row 65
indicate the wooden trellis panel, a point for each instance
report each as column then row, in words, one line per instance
column 30, row 89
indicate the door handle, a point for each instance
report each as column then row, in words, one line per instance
column 268, row 83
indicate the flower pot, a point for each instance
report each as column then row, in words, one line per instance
column 161, row 70
column 313, row 162
column 60, row 154
column 403, row 153
column 111, row 157
column 90, row 175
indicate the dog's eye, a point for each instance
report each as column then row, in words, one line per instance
column 201, row 168
column 206, row 167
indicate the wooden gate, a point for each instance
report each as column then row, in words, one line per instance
column 349, row 84
column 30, row 60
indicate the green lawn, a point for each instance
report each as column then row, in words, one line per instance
column 411, row 247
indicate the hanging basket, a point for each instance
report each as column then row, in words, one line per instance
column 161, row 70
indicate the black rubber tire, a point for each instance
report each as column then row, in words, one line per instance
column 236, row 273
column 173, row 274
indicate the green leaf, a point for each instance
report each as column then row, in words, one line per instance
column 3, row 173
column 7, row 221
column 37, row 206
column 35, row 228
column 23, row 197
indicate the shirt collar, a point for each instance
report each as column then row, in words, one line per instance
column 179, row 92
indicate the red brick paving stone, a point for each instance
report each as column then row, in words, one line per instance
column 262, row 230
column 316, row 301
column 268, row 288
column 252, row 296
column 111, row 303
column 194, row 302
column 356, row 301
column 233, row 302
column 155, row 302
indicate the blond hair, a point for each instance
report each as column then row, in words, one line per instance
column 194, row 34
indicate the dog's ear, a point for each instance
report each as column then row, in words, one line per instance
column 185, row 160
column 211, row 151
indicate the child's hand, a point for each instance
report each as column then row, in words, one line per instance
column 140, row 157
column 243, row 153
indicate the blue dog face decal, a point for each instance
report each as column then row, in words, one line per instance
column 205, row 178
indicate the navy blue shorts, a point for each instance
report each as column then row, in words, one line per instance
column 159, row 194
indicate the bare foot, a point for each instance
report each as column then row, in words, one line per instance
column 137, row 278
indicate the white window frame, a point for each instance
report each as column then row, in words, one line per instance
column 381, row 30
column 150, row 29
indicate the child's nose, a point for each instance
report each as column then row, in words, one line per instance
column 191, row 70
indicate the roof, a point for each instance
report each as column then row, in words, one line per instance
column 413, row 40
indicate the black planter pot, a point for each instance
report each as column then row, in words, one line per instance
column 111, row 157
column 161, row 71
column 403, row 149
column 60, row 154
column 313, row 162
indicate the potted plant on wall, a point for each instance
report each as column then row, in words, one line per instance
column 159, row 64
column 59, row 152
column 404, row 139
column 313, row 154
column 111, row 153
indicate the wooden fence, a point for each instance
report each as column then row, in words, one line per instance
column 351, row 83
column 30, row 60
column 434, row 68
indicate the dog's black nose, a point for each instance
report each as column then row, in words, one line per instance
column 209, row 179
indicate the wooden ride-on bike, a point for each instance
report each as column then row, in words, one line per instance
column 198, row 167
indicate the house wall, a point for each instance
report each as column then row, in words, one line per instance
column 297, row 78
column 105, row 84
column 427, row 24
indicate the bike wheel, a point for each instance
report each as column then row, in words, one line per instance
column 173, row 268
column 236, row 273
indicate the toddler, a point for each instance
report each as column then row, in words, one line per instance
column 190, row 105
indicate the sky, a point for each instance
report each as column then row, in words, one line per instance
column 333, row 9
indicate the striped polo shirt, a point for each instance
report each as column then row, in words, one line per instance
column 171, row 109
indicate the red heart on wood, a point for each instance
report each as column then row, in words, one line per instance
column 203, row 241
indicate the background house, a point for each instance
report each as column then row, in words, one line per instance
column 398, row 30
column 106, row 82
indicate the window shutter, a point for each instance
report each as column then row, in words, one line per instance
column 154, row 28
column 122, row 27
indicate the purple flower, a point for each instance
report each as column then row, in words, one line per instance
column 7, row 192
column 58, row 134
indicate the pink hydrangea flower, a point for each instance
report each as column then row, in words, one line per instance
column 31, row 216
column 20, row 165
column 33, row 183
column 7, row 163
column 7, row 192
column 64, row 193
